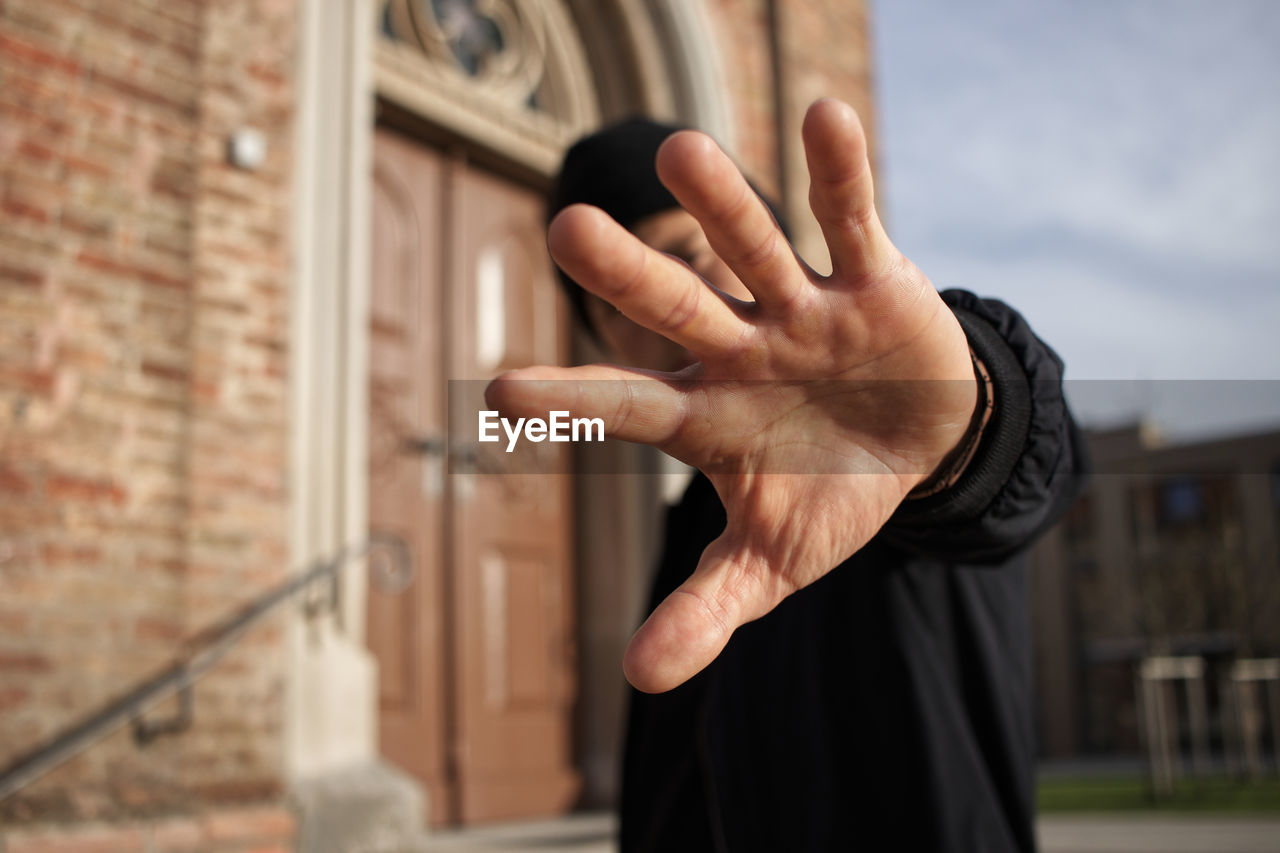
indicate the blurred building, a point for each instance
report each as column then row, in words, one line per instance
column 1172, row 551
column 244, row 247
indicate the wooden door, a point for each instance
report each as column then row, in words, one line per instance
column 476, row 663
column 515, row 659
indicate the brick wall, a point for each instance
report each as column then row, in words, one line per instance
column 743, row 30
column 143, row 317
column 257, row 830
column 779, row 57
column 827, row 53
column 143, row 298
column 824, row 49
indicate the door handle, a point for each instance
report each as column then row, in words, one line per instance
column 426, row 445
column 432, row 449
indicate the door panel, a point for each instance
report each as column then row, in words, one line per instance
column 476, row 658
column 407, row 631
column 516, row 660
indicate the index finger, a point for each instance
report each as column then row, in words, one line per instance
column 647, row 286
column 738, row 225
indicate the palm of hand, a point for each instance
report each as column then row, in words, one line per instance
column 814, row 409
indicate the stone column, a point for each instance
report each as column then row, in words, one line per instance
column 346, row 796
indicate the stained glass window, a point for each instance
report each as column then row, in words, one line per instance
column 472, row 37
column 512, row 53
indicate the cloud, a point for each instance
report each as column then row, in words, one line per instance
column 1111, row 169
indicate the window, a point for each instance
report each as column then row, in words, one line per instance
column 1181, row 502
column 505, row 50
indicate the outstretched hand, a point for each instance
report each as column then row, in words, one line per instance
column 813, row 409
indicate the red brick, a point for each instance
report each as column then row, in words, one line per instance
column 33, row 121
column 18, row 276
column 26, row 52
column 24, row 662
column 25, row 516
column 29, row 92
column 230, row 306
column 70, row 487
column 270, row 75
column 154, row 96
column 91, row 108
column 57, row 554
column 153, row 628
column 98, row 261
column 171, row 565
column 177, row 836
column 87, row 166
column 30, row 188
column 15, row 207
column 165, row 371
column 36, row 151
column 12, row 482
column 31, row 381
column 13, row 697
column 90, row 840
column 14, row 621
column 257, row 825
column 86, row 224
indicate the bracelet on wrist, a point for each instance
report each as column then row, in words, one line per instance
column 954, row 463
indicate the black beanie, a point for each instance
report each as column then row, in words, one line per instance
column 614, row 170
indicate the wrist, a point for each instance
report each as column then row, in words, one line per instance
column 953, row 464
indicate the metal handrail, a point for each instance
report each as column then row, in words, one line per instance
column 206, row 649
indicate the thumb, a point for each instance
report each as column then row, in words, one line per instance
column 692, row 625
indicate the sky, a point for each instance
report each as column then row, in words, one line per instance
column 1111, row 168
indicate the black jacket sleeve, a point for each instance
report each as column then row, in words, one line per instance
column 1029, row 465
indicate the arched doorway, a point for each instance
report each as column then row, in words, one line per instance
column 414, row 239
column 476, row 660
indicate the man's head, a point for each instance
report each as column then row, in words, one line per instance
column 613, row 169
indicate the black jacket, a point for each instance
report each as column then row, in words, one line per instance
column 889, row 705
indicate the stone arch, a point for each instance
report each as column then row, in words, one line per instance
column 596, row 60
column 658, row 57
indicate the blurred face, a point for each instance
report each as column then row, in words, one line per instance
column 674, row 232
